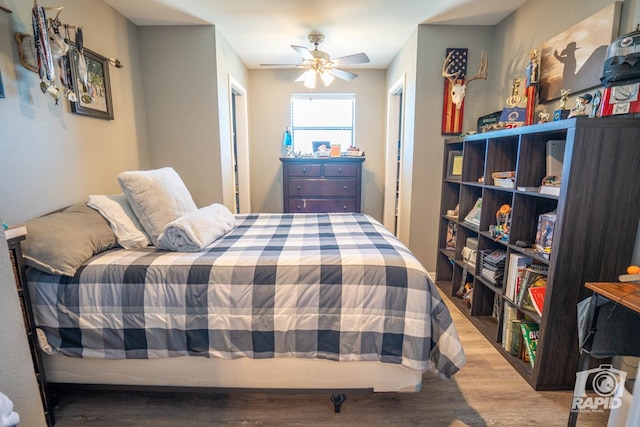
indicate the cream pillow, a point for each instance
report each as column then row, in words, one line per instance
column 157, row 197
column 123, row 221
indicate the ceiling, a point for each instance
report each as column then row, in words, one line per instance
column 261, row 31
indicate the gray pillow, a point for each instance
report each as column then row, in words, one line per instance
column 157, row 197
column 61, row 242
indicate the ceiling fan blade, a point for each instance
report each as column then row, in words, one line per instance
column 342, row 74
column 280, row 65
column 356, row 58
column 303, row 51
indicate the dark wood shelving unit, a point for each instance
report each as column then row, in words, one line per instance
column 15, row 252
column 598, row 211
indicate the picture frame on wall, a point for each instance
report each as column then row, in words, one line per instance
column 454, row 165
column 573, row 59
column 95, row 99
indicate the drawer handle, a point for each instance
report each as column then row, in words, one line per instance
column 339, row 170
column 344, row 207
column 298, row 187
column 304, row 170
column 346, row 187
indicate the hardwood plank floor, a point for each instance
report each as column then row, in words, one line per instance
column 486, row 392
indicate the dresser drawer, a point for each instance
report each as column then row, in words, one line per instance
column 311, row 169
column 339, row 170
column 321, row 205
column 322, row 187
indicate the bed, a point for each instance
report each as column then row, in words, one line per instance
column 281, row 301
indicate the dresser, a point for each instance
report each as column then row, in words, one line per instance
column 321, row 184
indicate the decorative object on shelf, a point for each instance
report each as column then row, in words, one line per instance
column 543, row 117
column 595, row 104
column 503, row 222
column 531, row 85
column 287, row 143
column 620, row 76
column 544, row 233
column 452, row 230
column 485, row 122
column 581, row 105
column 513, row 116
column 573, row 59
column 473, row 217
column 454, row 71
column 94, row 96
column 562, row 113
column 453, row 213
column 454, row 165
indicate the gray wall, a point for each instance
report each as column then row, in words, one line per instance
column 50, row 157
column 270, row 114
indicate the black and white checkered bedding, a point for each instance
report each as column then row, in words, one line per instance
column 329, row 286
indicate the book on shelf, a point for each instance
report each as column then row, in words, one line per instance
column 526, row 188
column 492, row 263
column 537, row 294
column 11, row 232
column 544, row 233
column 516, row 265
column 473, row 217
column 505, row 179
column 510, row 314
column 549, row 189
column 516, row 338
column 530, row 333
column 532, row 276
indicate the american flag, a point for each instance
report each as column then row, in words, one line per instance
column 452, row 116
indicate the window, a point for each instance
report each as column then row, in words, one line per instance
column 322, row 117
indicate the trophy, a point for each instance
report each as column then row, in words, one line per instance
column 562, row 113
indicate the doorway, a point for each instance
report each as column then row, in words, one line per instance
column 239, row 147
column 393, row 171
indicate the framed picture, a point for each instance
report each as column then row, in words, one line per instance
column 454, row 165
column 573, row 59
column 94, row 99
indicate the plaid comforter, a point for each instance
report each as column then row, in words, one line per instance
column 330, row 286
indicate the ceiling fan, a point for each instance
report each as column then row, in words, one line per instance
column 320, row 65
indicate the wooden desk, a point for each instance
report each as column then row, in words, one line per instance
column 621, row 294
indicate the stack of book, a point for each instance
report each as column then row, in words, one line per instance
column 492, row 265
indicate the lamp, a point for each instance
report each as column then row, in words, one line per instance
column 310, row 77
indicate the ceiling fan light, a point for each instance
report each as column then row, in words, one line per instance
column 310, row 79
column 326, row 78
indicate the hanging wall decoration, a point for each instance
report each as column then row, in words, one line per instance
column 90, row 83
column 454, row 71
column 573, row 59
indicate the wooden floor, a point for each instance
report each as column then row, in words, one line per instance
column 486, row 392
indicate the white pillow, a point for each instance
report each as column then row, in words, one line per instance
column 123, row 221
column 157, row 197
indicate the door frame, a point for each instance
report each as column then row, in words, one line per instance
column 393, row 159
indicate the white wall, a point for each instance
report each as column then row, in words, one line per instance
column 270, row 114
column 50, row 157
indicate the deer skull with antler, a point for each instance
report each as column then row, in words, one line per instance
column 458, row 89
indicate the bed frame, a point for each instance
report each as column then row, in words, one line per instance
column 200, row 373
